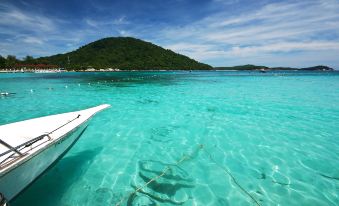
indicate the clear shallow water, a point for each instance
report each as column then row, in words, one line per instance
column 277, row 134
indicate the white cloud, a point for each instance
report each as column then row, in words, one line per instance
column 91, row 22
column 277, row 27
column 285, row 47
column 121, row 20
column 20, row 20
column 189, row 47
column 104, row 23
column 33, row 40
column 33, row 33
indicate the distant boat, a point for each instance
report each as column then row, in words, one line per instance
column 28, row 148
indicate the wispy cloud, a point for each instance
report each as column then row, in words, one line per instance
column 286, row 47
column 122, row 20
column 20, row 20
column 32, row 40
column 277, row 27
column 24, row 32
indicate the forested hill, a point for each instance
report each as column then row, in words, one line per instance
column 122, row 53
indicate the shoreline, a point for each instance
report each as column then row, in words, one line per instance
column 153, row 70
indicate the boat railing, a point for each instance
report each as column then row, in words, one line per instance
column 17, row 148
column 10, row 148
column 28, row 143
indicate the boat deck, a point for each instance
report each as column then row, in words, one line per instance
column 45, row 130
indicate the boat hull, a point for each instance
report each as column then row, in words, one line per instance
column 16, row 180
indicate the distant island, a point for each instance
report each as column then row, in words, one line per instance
column 119, row 54
column 248, row 67
column 116, row 53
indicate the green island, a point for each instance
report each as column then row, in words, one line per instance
column 119, row 53
column 248, row 67
column 124, row 53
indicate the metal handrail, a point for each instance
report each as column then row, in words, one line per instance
column 10, row 148
column 26, row 144
column 30, row 142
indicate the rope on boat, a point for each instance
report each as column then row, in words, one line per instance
column 185, row 158
column 64, row 124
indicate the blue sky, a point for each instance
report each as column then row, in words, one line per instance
column 218, row 32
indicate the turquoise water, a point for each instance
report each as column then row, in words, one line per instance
column 215, row 138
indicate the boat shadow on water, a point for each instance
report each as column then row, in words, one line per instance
column 48, row 189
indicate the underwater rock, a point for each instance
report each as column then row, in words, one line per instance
column 222, row 201
column 148, row 101
column 163, row 183
column 102, row 196
column 262, row 176
column 140, row 200
column 162, row 134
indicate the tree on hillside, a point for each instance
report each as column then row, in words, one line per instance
column 2, row 62
column 29, row 60
column 11, row 60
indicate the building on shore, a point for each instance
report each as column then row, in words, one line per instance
column 37, row 68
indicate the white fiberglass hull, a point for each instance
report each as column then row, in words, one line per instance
column 37, row 144
column 12, row 183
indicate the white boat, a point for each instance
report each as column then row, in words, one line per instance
column 28, row 148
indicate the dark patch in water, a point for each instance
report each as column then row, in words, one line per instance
column 74, row 166
column 124, row 85
column 259, row 192
column 130, row 200
column 262, row 176
column 116, row 197
column 212, row 109
column 148, row 101
column 155, row 198
column 161, row 131
column 166, row 176
column 165, row 188
column 103, row 195
column 161, row 134
column 222, row 201
column 329, row 177
column 145, row 200
column 159, row 140
column 162, row 189
column 280, row 183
